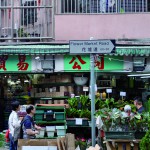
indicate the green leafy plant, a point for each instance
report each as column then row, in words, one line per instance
column 21, row 33
column 84, row 101
column 74, row 111
column 73, row 102
column 85, row 114
column 81, row 143
column 2, row 140
column 145, row 142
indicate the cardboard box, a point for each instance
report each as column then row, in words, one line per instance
column 56, row 101
column 37, row 95
column 36, row 142
column 61, row 93
column 32, row 94
column 66, row 78
column 40, row 89
column 35, row 90
column 52, row 77
column 61, row 101
column 70, row 141
column 58, row 78
column 46, row 90
column 47, row 80
column 50, row 101
column 54, row 89
column 61, row 143
column 43, row 94
column 70, row 89
column 63, row 89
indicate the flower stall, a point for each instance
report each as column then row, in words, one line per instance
column 117, row 124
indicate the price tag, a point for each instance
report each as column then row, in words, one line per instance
column 85, row 89
column 122, row 93
column 78, row 121
column 109, row 90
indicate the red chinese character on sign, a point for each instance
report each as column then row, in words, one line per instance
column 3, row 62
column 22, row 65
column 99, row 62
column 76, row 65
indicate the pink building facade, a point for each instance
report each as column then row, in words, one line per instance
column 56, row 20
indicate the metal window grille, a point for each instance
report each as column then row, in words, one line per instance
column 102, row 6
column 26, row 20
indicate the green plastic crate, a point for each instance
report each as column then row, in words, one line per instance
column 38, row 117
column 72, row 122
column 59, row 116
column 119, row 135
column 39, row 112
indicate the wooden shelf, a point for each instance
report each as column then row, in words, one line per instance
column 79, row 126
column 50, row 107
column 104, row 88
column 55, row 137
column 41, row 85
column 104, row 80
column 50, row 98
column 50, row 122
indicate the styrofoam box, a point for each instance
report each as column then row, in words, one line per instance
column 61, row 132
column 52, row 147
column 39, row 147
column 39, row 136
column 61, row 127
column 50, row 133
column 35, row 147
column 50, row 128
column 41, row 132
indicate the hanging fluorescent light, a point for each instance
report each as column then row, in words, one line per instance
column 37, row 58
column 137, row 75
column 145, row 77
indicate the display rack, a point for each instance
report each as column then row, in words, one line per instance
column 52, row 116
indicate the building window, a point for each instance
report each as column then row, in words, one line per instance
column 104, row 6
column 29, row 15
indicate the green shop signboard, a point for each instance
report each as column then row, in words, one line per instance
column 78, row 63
column 16, row 63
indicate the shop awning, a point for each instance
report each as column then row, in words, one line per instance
column 34, row 49
column 133, row 50
column 63, row 49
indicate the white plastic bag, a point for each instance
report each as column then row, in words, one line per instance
column 78, row 148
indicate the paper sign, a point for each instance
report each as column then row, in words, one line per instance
column 85, row 89
column 109, row 90
column 122, row 93
column 78, row 121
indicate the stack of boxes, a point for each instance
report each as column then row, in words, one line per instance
column 53, row 89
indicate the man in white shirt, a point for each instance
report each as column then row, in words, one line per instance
column 14, row 122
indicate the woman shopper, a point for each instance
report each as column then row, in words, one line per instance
column 14, row 122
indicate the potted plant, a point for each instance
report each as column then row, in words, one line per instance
column 81, row 142
column 21, row 33
column 78, row 108
column 141, row 125
column 145, row 142
column 2, row 140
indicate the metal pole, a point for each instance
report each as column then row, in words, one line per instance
column 92, row 97
column 0, row 19
column 12, row 19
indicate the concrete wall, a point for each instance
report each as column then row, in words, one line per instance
column 104, row 26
